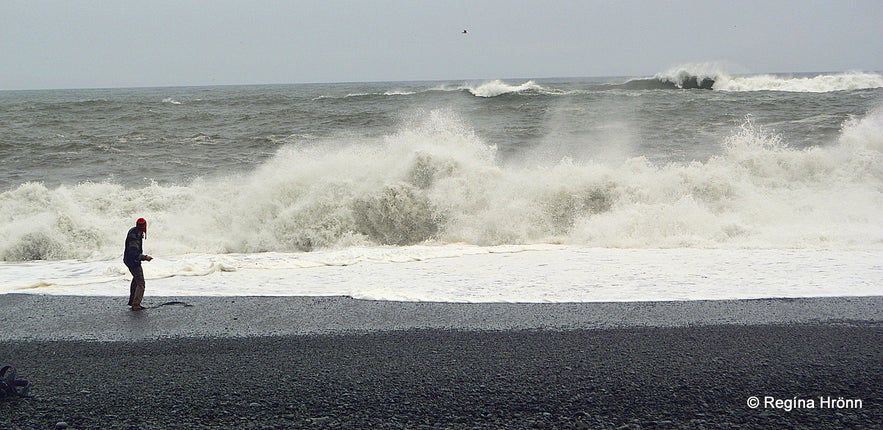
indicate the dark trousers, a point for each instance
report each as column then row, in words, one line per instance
column 136, row 290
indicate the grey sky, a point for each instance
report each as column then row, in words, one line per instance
column 75, row 44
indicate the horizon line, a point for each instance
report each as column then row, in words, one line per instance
column 343, row 82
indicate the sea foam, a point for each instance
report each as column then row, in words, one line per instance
column 810, row 84
column 717, row 76
column 436, row 182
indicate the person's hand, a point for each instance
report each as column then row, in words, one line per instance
column 148, row 258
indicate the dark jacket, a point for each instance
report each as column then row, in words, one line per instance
column 133, row 254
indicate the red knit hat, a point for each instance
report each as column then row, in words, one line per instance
column 142, row 223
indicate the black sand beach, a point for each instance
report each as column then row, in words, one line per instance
column 336, row 362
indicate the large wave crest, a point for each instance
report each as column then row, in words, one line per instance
column 435, row 181
column 715, row 76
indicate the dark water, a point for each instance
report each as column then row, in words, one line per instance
column 172, row 135
column 758, row 161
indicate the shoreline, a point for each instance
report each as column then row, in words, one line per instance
column 343, row 363
column 45, row 317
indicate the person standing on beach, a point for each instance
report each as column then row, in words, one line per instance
column 132, row 257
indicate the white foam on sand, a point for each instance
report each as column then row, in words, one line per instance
column 461, row 273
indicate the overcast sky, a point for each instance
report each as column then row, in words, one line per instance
column 121, row 43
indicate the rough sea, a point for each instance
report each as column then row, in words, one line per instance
column 681, row 186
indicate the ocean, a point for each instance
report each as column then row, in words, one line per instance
column 686, row 185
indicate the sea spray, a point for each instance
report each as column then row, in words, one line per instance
column 436, row 181
column 759, row 193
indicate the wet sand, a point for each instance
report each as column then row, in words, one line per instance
column 335, row 362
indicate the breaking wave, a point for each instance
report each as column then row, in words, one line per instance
column 713, row 76
column 806, row 84
column 434, row 181
column 488, row 89
column 497, row 88
column 692, row 76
